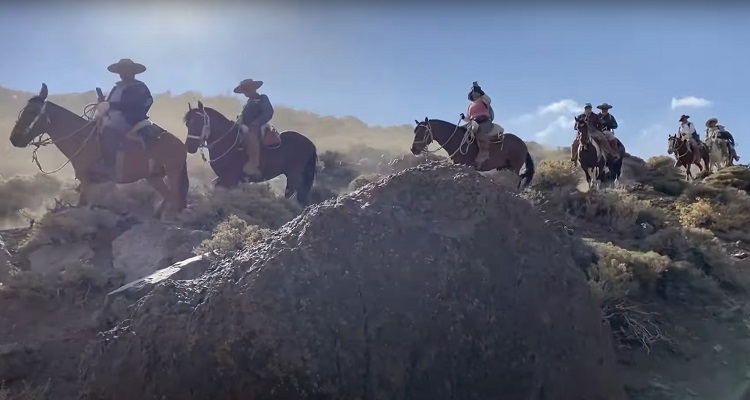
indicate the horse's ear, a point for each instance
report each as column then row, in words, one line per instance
column 200, row 105
column 416, row 122
column 426, row 120
column 43, row 93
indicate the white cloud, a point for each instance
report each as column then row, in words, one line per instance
column 554, row 129
column 690, row 101
column 559, row 107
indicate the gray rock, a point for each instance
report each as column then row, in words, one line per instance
column 152, row 245
column 52, row 259
column 430, row 284
column 117, row 303
column 6, row 266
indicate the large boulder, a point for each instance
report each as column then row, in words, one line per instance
column 430, row 284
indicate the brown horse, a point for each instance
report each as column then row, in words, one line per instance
column 296, row 157
column 684, row 156
column 80, row 141
column 509, row 154
column 590, row 157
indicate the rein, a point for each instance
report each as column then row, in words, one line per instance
column 88, row 113
column 685, row 143
column 206, row 132
column 463, row 147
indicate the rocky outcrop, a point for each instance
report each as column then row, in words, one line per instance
column 152, row 245
column 118, row 302
column 6, row 266
column 430, row 284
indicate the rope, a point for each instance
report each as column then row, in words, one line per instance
column 88, row 114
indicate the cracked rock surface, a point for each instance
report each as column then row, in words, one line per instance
column 431, row 284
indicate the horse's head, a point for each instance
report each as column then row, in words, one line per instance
column 672, row 143
column 582, row 127
column 198, row 124
column 422, row 136
column 32, row 120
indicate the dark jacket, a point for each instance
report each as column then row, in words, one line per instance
column 608, row 121
column 593, row 120
column 257, row 111
column 135, row 101
column 723, row 134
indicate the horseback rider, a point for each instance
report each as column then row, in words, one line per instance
column 593, row 121
column 713, row 129
column 256, row 114
column 608, row 124
column 127, row 106
column 479, row 117
column 687, row 131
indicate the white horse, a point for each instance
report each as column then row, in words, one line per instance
column 718, row 153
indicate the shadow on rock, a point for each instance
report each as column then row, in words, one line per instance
column 432, row 283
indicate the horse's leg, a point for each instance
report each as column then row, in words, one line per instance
column 293, row 182
column 160, row 186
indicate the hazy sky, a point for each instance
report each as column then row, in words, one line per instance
column 388, row 64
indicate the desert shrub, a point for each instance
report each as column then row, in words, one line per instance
column 663, row 176
column 76, row 282
column 257, row 204
column 619, row 211
column 363, row 180
column 696, row 214
column 618, row 280
column 231, row 235
column 727, row 214
column 66, row 224
column 703, row 251
column 337, row 170
column 737, row 176
column 555, row 174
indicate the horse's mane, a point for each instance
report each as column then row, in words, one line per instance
column 209, row 110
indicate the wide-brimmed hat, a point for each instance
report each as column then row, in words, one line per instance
column 710, row 120
column 126, row 65
column 684, row 117
column 587, row 105
column 248, row 84
column 604, row 106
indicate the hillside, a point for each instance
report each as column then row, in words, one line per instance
column 665, row 261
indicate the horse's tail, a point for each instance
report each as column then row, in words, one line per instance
column 528, row 174
column 184, row 186
column 308, row 177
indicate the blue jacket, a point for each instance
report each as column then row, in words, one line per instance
column 257, row 111
column 135, row 101
column 608, row 121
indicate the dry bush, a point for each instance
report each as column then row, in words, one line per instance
column 25, row 192
column 727, row 213
column 703, row 252
column 616, row 209
column 76, row 282
column 231, row 235
column 28, row 392
column 65, row 224
column 257, row 204
column 618, row 280
column 363, row 180
column 663, row 176
column 555, row 174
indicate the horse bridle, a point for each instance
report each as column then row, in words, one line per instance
column 205, row 130
column 42, row 112
column 685, row 142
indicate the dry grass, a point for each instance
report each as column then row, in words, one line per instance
column 663, row 176
column 555, row 174
column 726, row 212
column 617, row 210
column 231, row 235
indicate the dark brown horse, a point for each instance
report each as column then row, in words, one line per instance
column 684, row 156
column 590, row 157
column 80, row 141
column 296, row 157
column 509, row 154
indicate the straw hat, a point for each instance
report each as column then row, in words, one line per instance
column 714, row 120
column 126, row 65
column 604, row 106
column 248, row 84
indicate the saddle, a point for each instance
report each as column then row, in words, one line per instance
column 269, row 137
column 497, row 133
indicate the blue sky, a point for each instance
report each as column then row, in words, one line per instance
column 389, row 64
